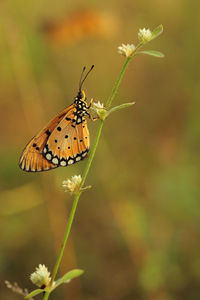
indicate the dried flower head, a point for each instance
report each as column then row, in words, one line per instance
column 144, row 35
column 126, row 50
column 17, row 289
column 99, row 109
column 72, row 185
column 41, row 277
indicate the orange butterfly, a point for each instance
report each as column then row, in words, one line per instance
column 65, row 139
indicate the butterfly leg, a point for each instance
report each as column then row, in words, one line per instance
column 93, row 118
column 90, row 104
column 90, row 116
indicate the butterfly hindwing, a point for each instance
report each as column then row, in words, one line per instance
column 69, row 141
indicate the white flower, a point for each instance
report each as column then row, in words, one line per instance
column 41, row 277
column 97, row 105
column 144, row 35
column 72, row 185
column 99, row 109
column 126, row 50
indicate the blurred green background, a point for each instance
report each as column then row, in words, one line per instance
column 137, row 231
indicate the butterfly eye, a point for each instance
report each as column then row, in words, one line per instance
column 81, row 95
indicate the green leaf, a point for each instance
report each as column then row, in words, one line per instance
column 152, row 53
column 157, row 31
column 71, row 275
column 124, row 105
column 68, row 277
column 34, row 293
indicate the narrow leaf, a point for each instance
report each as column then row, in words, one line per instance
column 71, row 275
column 157, row 31
column 152, row 53
column 34, row 293
column 68, row 277
column 124, row 105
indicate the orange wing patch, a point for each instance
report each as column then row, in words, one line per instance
column 65, row 139
column 69, row 142
column 32, row 158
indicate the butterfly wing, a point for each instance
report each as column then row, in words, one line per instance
column 32, row 158
column 69, row 141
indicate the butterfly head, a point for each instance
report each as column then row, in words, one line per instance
column 81, row 94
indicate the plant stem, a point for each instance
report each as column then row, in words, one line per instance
column 115, row 88
column 85, row 173
column 75, row 202
column 69, row 224
column 73, row 210
column 92, row 152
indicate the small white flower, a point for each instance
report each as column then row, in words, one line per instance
column 41, row 277
column 126, row 50
column 97, row 105
column 99, row 109
column 72, row 185
column 144, row 35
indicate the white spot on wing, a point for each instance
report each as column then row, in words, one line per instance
column 78, row 158
column 63, row 163
column 55, row 161
column 48, row 156
column 70, row 162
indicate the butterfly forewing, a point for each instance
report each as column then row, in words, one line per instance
column 32, row 158
column 64, row 141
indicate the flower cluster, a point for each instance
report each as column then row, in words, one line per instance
column 72, row 185
column 126, row 50
column 99, row 109
column 41, row 277
column 144, row 35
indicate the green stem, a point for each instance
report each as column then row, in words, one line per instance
column 46, row 295
column 69, row 224
column 115, row 88
column 73, row 210
column 92, row 153
column 85, row 173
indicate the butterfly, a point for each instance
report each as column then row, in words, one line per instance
column 63, row 141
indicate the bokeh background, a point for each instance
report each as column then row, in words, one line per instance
column 137, row 231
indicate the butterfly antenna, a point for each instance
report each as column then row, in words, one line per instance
column 81, row 77
column 82, row 80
